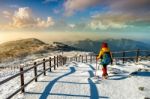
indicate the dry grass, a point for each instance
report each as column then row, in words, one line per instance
column 21, row 48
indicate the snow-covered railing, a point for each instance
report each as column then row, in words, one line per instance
column 53, row 63
column 137, row 54
column 83, row 58
column 123, row 55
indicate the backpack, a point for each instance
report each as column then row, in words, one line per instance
column 106, row 58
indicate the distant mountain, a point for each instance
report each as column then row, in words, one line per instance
column 63, row 47
column 24, row 47
column 114, row 44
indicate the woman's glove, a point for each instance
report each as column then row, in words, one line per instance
column 97, row 58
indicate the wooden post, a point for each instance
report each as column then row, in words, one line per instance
column 22, row 79
column 70, row 59
column 79, row 58
column 57, row 61
column 90, row 58
column 123, row 55
column 50, row 64
column 44, row 67
column 62, row 60
column 35, row 71
column 76, row 58
column 137, row 54
column 54, row 63
column 86, row 58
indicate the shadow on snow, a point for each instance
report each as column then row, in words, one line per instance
column 93, row 89
column 117, row 77
column 141, row 73
column 94, row 94
column 50, row 85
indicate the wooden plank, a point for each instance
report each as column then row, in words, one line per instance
column 35, row 71
column 50, row 63
column 22, row 79
column 90, row 58
column 54, row 63
column 44, row 67
column 137, row 54
column 57, row 61
column 86, row 58
column 16, row 75
column 25, row 85
column 123, row 55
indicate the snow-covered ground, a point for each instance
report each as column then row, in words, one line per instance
column 76, row 80
column 14, row 84
column 13, row 66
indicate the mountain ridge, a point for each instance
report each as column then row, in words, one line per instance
column 114, row 44
column 22, row 48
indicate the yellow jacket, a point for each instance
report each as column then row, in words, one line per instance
column 102, row 51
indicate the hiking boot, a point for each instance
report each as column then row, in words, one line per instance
column 105, row 76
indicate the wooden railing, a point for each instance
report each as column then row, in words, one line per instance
column 57, row 61
column 138, row 54
column 60, row 61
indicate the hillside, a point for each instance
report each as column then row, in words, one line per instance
column 114, row 44
column 21, row 48
column 63, row 47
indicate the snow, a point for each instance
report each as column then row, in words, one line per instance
column 75, row 80
column 12, row 67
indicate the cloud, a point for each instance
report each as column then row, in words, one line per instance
column 132, row 6
column 106, row 25
column 24, row 18
column 138, row 8
column 7, row 14
column 72, row 25
column 122, row 14
column 76, row 5
column 48, row 23
column 108, row 21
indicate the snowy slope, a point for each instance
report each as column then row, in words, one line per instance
column 76, row 81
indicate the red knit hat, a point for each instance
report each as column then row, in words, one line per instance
column 104, row 45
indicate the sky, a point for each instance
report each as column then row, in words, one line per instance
column 71, row 20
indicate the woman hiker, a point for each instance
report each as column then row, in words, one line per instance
column 106, row 58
